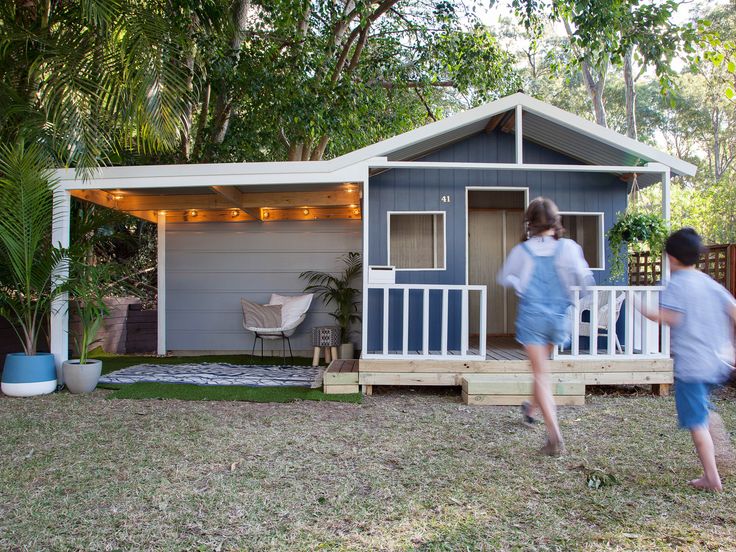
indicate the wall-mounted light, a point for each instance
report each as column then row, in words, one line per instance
column 266, row 214
column 193, row 212
column 305, row 211
column 235, row 213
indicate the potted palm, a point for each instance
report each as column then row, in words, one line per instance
column 28, row 263
column 338, row 290
column 86, row 286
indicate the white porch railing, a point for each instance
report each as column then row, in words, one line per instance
column 410, row 317
column 642, row 338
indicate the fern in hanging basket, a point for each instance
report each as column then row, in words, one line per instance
column 635, row 231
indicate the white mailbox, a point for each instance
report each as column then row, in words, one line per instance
column 381, row 275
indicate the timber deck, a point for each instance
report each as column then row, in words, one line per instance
column 504, row 377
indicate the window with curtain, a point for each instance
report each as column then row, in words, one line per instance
column 587, row 230
column 417, row 241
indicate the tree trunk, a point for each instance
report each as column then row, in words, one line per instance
column 223, row 102
column 202, row 122
column 595, row 91
column 186, row 127
column 630, row 94
column 594, row 87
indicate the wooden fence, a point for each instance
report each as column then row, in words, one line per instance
column 127, row 329
column 718, row 261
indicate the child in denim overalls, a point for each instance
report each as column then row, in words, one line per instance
column 541, row 270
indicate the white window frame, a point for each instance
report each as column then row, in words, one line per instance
column 602, row 240
column 444, row 240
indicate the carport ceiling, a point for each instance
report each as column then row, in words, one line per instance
column 231, row 203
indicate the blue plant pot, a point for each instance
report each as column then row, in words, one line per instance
column 27, row 376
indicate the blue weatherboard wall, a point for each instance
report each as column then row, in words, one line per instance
column 421, row 190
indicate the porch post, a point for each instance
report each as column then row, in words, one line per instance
column 366, row 256
column 666, row 215
column 161, row 284
column 519, row 135
column 59, row 332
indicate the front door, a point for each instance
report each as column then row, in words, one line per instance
column 492, row 233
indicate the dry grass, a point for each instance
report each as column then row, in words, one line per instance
column 405, row 470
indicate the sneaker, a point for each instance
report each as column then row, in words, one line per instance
column 526, row 409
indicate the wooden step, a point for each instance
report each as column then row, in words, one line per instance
column 341, row 377
column 513, row 389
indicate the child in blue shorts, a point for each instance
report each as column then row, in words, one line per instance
column 701, row 314
column 541, row 270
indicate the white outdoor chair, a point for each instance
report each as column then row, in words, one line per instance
column 266, row 322
column 585, row 305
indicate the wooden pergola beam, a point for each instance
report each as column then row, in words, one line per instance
column 234, row 215
column 255, row 200
column 235, row 197
column 108, row 199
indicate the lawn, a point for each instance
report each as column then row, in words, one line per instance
column 404, row 470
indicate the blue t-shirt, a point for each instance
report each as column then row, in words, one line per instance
column 702, row 341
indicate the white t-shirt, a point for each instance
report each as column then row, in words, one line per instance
column 571, row 265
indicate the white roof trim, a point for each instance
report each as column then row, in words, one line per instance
column 532, row 105
column 347, row 167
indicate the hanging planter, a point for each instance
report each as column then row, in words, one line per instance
column 635, row 231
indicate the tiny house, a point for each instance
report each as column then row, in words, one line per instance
column 434, row 211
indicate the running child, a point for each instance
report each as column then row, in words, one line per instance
column 541, row 270
column 701, row 314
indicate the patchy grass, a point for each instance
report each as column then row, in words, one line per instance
column 189, row 392
column 406, row 470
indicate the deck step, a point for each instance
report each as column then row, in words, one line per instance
column 341, row 377
column 513, row 389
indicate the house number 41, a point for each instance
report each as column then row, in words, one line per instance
column 446, row 199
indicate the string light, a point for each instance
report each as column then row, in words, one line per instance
column 193, row 213
column 235, row 213
column 306, row 211
column 266, row 214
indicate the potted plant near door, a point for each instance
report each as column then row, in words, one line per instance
column 338, row 290
column 28, row 263
column 87, row 288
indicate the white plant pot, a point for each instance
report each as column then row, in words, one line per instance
column 82, row 378
column 347, row 351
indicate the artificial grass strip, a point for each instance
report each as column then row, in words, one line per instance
column 189, row 392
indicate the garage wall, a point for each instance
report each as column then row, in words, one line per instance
column 210, row 266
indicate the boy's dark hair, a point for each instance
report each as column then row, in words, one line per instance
column 542, row 215
column 685, row 245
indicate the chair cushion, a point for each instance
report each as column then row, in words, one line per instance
column 261, row 316
column 293, row 307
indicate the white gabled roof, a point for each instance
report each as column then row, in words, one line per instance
column 542, row 123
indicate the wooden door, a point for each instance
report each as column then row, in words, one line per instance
column 491, row 235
